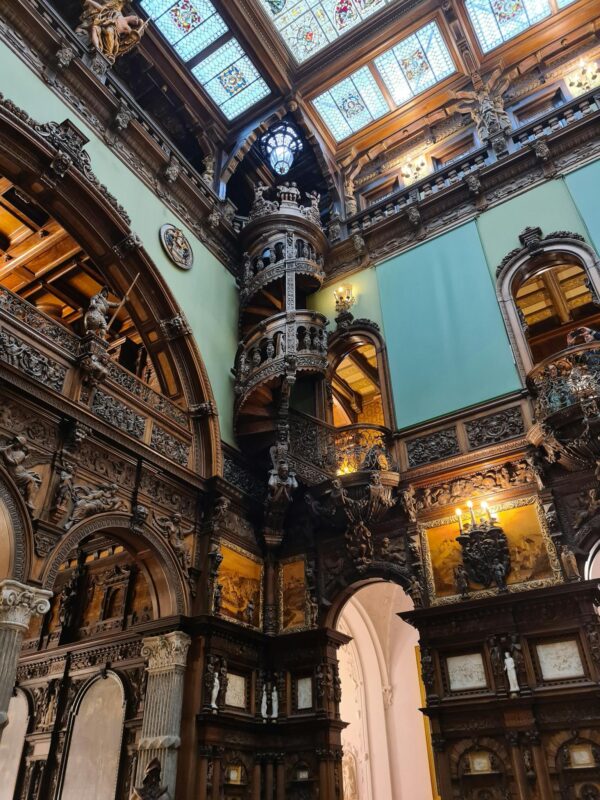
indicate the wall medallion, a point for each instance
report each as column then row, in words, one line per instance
column 176, row 246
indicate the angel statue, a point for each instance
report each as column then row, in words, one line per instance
column 110, row 31
column 485, row 105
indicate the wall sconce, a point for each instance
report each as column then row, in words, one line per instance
column 585, row 78
column 486, row 520
column 344, row 299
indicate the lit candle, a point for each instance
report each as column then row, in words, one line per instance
column 486, row 510
column 459, row 515
column 472, row 513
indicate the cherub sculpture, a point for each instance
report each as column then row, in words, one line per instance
column 109, row 30
column 485, row 105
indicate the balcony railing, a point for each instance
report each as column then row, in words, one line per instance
column 321, row 451
column 566, row 379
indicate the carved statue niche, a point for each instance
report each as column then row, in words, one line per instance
column 16, row 458
column 110, row 31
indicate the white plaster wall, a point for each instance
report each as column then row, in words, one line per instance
column 12, row 743
column 396, row 746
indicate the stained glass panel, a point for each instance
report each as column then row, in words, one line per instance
column 188, row 25
column 408, row 68
column 351, row 104
column 564, row 3
column 415, row 64
column 308, row 26
column 231, row 79
column 496, row 21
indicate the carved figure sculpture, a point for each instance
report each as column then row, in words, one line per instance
column 90, row 501
column 461, row 581
column 591, row 507
column 263, row 704
column 14, row 456
column 274, row 702
column 214, row 695
column 110, row 31
column 485, row 106
column 64, row 491
column 409, row 501
column 392, row 553
column 511, row 673
column 416, row 591
column 282, row 483
column 151, row 788
column 569, row 563
column 95, row 319
column 172, row 530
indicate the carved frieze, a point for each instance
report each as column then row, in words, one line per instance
column 32, row 362
column 494, row 428
column 169, row 446
column 433, row 447
column 19, row 309
column 158, row 402
column 117, row 414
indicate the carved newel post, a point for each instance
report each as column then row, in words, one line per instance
column 160, row 739
column 18, row 604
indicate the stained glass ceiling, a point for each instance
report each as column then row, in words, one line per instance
column 307, row 26
column 200, row 37
column 404, row 71
column 497, row 21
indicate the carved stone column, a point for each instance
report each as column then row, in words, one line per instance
column 18, row 604
column 167, row 656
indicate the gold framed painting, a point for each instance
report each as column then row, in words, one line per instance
column 241, row 580
column 292, row 595
column 534, row 562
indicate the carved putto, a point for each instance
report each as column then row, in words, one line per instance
column 15, row 457
column 109, row 30
column 90, row 501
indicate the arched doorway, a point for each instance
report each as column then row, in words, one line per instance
column 386, row 743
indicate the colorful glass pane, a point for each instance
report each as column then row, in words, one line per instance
column 308, row 26
column 231, row 79
column 351, row 104
column 189, row 26
column 415, row 63
column 497, row 21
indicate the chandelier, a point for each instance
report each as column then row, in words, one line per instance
column 280, row 145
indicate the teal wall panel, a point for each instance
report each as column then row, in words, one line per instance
column 207, row 294
column 584, row 186
column 445, row 336
column 549, row 207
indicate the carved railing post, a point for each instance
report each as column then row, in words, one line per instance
column 18, row 604
column 167, row 656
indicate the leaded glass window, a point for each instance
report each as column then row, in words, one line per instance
column 351, row 104
column 228, row 75
column 415, row 64
column 564, row 3
column 231, row 79
column 496, row 21
column 308, row 26
column 410, row 67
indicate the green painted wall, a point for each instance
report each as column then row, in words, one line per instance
column 549, row 207
column 207, row 293
column 364, row 288
column 584, row 186
column 446, row 340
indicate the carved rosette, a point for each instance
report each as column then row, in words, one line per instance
column 19, row 603
column 167, row 652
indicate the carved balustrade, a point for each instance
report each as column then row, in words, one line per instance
column 320, row 451
column 81, row 370
column 296, row 338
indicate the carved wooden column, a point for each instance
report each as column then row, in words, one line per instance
column 18, row 604
column 269, row 778
column 167, row 656
column 512, row 738
column 280, row 777
column 541, row 767
column 256, row 781
column 204, row 754
column 442, row 767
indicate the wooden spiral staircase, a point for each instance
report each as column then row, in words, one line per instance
column 281, row 340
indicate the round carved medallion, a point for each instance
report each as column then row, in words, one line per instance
column 176, row 246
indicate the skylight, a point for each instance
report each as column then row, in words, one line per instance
column 308, row 26
column 227, row 74
column 497, row 21
column 407, row 69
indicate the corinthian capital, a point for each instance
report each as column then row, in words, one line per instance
column 166, row 652
column 19, row 603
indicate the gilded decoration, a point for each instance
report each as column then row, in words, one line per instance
column 240, row 586
column 292, row 595
column 176, row 246
column 533, row 558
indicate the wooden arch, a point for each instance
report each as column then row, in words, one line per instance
column 48, row 163
column 16, row 544
column 521, row 264
column 150, row 550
